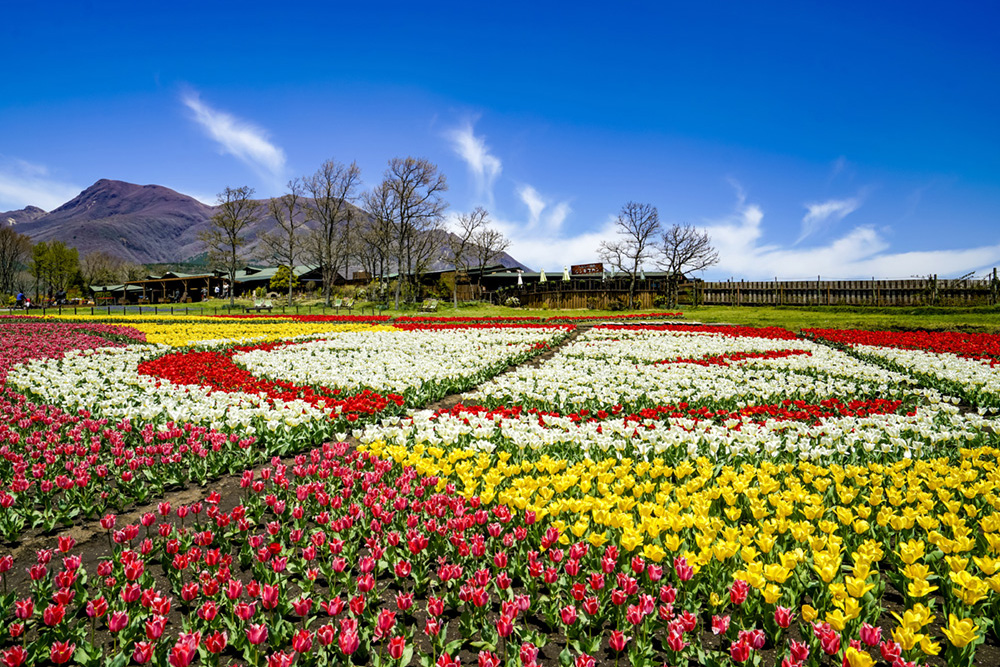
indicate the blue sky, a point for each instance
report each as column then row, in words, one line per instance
column 834, row 139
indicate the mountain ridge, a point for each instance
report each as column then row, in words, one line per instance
column 145, row 224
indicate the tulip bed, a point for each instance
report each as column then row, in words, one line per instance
column 650, row 494
column 960, row 363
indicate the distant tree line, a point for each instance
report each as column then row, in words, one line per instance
column 50, row 271
column 394, row 233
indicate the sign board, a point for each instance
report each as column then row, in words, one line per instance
column 586, row 269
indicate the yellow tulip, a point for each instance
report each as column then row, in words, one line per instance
column 960, row 632
column 856, row 658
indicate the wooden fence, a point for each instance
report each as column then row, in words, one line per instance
column 930, row 291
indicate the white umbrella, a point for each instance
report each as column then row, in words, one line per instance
column 565, row 274
column 519, row 281
column 542, row 277
column 642, row 274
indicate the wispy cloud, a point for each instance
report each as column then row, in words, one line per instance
column 862, row 252
column 485, row 166
column 23, row 184
column 820, row 214
column 542, row 211
column 240, row 138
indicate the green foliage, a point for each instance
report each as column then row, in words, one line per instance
column 279, row 282
column 54, row 266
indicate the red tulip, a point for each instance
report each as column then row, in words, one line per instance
column 384, row 623
column 257, row 634
column 326, row 634
column 117, row 621
column 24, row 609
column 505, row 626
column 487, row 659
column 269, row 596
column 143, row 652
column 870, row 635
column 216, row 642
column 396, row 647
column 53, row 614
column 738, row 592
column 800, row 651
column 184, row 651
column 302, row 641
column 618, row 640
column 783, row 617
column 348, row 641
column 740, row 651
column 720, row 624
column 568, row 614
column 61, row 652
column 14, row 657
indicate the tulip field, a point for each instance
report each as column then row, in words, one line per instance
column 423, row 491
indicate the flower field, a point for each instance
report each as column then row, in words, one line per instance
column 646, row 494
column 962, row 363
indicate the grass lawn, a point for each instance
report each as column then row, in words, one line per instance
column 790, row 317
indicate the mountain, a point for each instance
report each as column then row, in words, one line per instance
column 139, row 223
column 26, row 214
column 145, row 224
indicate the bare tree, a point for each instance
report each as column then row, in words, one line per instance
column 489, row 243
column 376, row 237
column 461, row 244
column 333, row 191
column 238, row 210
column 637, row 226
column 102, row 268
column 285, row 243
column 15, row 249
column 410, row 199
column 684, row 249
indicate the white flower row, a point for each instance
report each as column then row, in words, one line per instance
column 605, row 367
column 929, row 429
column 106, row 381
column 395, row 361
column 977, row 377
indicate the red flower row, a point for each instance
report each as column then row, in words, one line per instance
column 772, row 333
column 971, row 345
column 724, row 359
column 786, row 410
column 216, row 371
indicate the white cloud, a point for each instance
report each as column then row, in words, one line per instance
column 485, row 167
column 533, row 201
column 239, row 138
column 542, row 211
column 860, row 253
column 549, row 249
column 25, row 184
column 821, row 214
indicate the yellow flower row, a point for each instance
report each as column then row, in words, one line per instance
column 178, row 334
